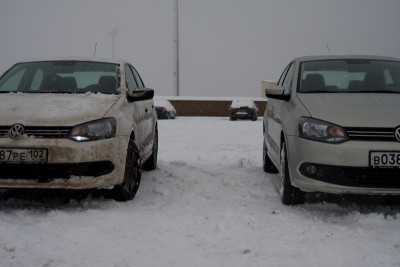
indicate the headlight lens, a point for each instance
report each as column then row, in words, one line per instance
column 321, row 131
column 94, row 130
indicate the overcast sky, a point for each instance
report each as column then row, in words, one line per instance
column 226, row 46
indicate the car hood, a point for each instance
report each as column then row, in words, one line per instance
column 355, row 109
column 53, row 109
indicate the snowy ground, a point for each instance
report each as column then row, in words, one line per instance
column 208, row 204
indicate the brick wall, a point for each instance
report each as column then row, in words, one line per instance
column 208, row 108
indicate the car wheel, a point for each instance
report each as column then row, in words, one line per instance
column 290, row 195
column 254, row 118
column 127, row 190
column 151, row 163
column 268, row 166
column 233, row 119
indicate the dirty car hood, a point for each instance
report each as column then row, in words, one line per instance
column 53, row 109
column 354, row 110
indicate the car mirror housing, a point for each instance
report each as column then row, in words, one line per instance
column 276, row 92
column 140, row 95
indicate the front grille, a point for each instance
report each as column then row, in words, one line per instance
column 356, row 176
column 40, row 131
column 371, row 134
column 47, row 172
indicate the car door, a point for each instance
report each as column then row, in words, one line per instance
column 276, row 110
column 147, row 117
column 135, row 107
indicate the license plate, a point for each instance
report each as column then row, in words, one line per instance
column 19, row 155
column 384, row 159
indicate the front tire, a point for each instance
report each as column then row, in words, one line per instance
column 151, row 163
column 289, row 194
column 268, row 166
column 132, row 176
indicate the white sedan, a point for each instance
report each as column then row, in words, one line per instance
column 332, row 125
column 76, row 123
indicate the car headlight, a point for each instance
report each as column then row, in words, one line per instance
column 321, row 131
column 94, row 130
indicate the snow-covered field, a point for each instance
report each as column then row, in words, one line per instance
column 208, row 204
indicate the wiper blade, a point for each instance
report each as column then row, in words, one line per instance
column 61, row 92
column 375, row 91
column 318, row 91
column 56, row 92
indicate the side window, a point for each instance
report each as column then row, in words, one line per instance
column 287, row 82
column 130, row 79
column 137, row 77
column 12, row 83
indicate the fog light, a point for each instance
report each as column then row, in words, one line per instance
column 311, row 170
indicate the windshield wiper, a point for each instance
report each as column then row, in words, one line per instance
column 54, row 92
column 317, row 91
column 61, row 92
column 375, row 91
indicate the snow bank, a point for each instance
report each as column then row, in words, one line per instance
column 207, row 204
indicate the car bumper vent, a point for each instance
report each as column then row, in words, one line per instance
column 371, row 134
column 366, row 177
column 40, row 132
column 47, row 172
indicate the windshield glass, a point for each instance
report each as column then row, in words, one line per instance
column 349, row 76
column 61, row 77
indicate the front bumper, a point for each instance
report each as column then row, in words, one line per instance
column 70, row 164
column 342, row 168
column 242, row 115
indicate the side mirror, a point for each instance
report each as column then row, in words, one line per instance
column 272, row 90
column 275, row 90
column 140, row 95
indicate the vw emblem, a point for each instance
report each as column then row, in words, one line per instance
column 397, row 134
column 16, row 131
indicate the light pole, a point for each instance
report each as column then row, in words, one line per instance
column 176, row 47
column 113, row 32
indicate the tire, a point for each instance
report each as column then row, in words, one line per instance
column 233, row 119
column 268, row 166
column 132, row 175
column 254, row 118
column 289, row 194
column 151, row 163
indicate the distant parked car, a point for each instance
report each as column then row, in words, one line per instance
column 332, row 125
column 164, row 109
column 76, row 124
column 243, row 108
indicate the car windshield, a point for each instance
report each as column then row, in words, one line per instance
column 61, row 77
column 349, row 76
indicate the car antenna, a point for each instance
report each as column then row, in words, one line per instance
column 327, row 46
column 95, row 46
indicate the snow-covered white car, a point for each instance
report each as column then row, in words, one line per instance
column 76, row 123
column 332, row 125
column 243, row 108
column 164, row 109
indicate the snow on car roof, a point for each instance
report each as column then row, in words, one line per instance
column 240, row 102
column 162, row 103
